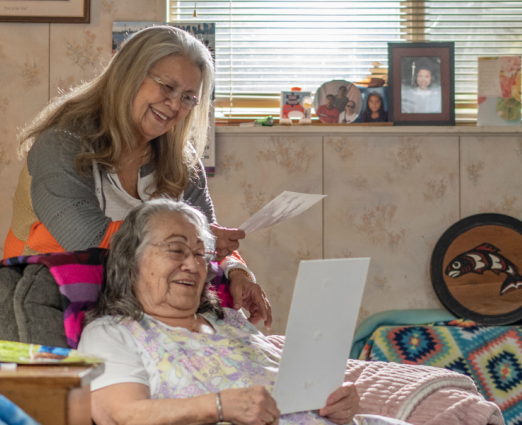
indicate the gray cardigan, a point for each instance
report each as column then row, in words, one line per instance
column 65, row 201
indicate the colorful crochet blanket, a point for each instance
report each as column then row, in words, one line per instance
column 490, row 355
column 80, row 274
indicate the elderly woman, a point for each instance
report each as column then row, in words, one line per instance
column 174, row 354
column 134, row 133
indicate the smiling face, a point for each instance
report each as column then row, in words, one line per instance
column 350, row 108
column 374, row 103
column 151, row 110
column 169, row 288
column 424, row 79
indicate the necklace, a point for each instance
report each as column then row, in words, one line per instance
column 140, row 158
column 192, row 327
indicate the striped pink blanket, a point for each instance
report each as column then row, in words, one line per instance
column 80, row 274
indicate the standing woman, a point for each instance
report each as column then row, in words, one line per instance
column 134, row 133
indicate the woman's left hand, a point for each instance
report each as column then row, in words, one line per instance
column 250, row 296
column 341, row 405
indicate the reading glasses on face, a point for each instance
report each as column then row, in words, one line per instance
column 178, row 251
column 187, row 102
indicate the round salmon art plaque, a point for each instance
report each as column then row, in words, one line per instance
column 476, row 269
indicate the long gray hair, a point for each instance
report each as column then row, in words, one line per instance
column 118, row 297
column 100, row 111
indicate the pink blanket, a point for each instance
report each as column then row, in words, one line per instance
column 420, row 395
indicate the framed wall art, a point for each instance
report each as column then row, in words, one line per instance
column 476, row 266
column 421, row 79
column 45, row 11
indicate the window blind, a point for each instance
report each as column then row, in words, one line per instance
column 264, row 47
column 479, row 29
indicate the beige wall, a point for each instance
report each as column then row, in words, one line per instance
column 391, row 192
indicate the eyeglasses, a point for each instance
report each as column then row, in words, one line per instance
column 178, row 251
column 186, row 101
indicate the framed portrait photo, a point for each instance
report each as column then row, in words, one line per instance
column 45, row 11
column 421, row 80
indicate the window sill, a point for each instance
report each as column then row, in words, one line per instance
column 371, row 129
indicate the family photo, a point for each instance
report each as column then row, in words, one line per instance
column 338, row 101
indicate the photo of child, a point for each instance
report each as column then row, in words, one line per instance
column 375, row 109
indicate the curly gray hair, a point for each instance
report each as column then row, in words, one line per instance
column 118, row 297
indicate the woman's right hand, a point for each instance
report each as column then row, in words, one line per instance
column 227, row 240
column 249, row 406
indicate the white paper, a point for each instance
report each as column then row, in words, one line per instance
column 319, row 332
column 489, row 77
column 285, row 206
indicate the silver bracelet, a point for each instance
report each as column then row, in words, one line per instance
column 219, row 408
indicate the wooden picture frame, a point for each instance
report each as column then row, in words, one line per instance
column 44, row 11
column 421, row 80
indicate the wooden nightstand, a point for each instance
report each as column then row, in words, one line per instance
column 52, row 395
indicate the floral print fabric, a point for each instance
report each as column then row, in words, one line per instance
column 192, row 364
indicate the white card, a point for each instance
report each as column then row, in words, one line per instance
column 319, row 332
column 285, row 206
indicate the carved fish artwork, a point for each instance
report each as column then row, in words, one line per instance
column 482, row 258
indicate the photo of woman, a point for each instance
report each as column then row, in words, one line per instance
column 374, row 111
column 420, row 87
column 348, row 115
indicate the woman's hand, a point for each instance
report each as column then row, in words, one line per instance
column 249, row 406
column 250, row 296
column 341, row 405
column 227, row 240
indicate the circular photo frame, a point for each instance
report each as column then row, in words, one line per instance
column 338, row 101
column 476, row 269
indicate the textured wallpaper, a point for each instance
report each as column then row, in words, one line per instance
column 389, row 197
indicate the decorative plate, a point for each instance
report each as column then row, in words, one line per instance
column 476, row 269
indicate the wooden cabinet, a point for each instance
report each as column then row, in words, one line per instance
column 52, row 395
